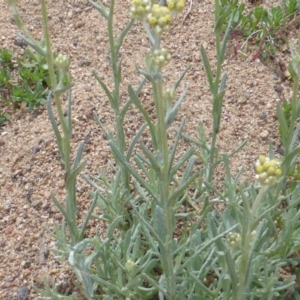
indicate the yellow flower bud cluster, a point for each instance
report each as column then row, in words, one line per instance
column 176, row 5
column 160, row 18
column 252, row 235
column 140, row 9
column 267, row 170
column 161, row 57
column 233, row 239
column 130, row 265
column 169, row 94
column 62, row 61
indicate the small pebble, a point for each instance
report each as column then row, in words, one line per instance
column 4, row 133
column 264, row 134
column 278, row 88
column 36, row 149
column 23, row 293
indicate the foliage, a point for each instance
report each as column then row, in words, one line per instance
column 260, row 25
column 23, row 80
column 164, row 237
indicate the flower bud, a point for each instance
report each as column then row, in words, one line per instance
column 233, row 239
column 161, row 57
column 130, row 265
column 267, row 170
column 140, row 8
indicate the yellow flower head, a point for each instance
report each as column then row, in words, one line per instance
column 267, row 170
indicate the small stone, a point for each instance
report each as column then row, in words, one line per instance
column 19, row 221
column 278, row 88
column 23, row 293
column 36, row 149
column 1, row 143
column 7, row 205
column 35, row 202
column 286, row 74
column 79, row 25
column 264, row 134
column 84, row 63
column 263, row 116
column 20, row 42
column 61, row 183
column 4, row 133
column 18, row 173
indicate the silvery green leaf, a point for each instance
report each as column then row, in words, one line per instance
column 159, row 223
column 171, row 114
column 100, row 7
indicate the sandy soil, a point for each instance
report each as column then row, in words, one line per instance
column 29, row 164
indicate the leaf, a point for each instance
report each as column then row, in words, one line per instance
column 208, row 71
column 287, row 163
column 136, row 101
column 224, row 41
column 121, row 37
column 100, row 8
column 159, row 223
column 134, row 141
column 78, row 155
column 176, row 84
column 75, row 172
column 283, row 126
column 107, row 92
column 54, row 126
column 174, row 148
column 171, row 114
column 153, row 161
column 131, row 170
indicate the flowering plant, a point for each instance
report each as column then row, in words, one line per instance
column 233, row 253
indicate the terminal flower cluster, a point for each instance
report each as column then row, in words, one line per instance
column 267, row 170
column 159, row 17
column 161, row 57
column 62, row 61
column 233, row 239
column 140, row 9
column 176, row 5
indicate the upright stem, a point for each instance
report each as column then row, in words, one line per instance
column 50, row 63
column 71, row 204
column 116, row 92
column 215, row 93
column 167, row 258
column 245, row 260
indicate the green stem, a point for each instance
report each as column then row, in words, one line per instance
column 215, row 93
column 294, row 115
column 246, row 259
column 71, row 203
column 23, row 28
column 116, row 92
column 50, row 63
column 167, row 258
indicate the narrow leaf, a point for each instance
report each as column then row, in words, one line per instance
column 78, row 155
column 208, row 71
column 171, row 114
column 121, row 37
column 75, row 172
column 159, row 223
column 106, row 90
column 146, row 116
column 153, row 161
column 134, row 141
column 100, row 8
column 176, row 84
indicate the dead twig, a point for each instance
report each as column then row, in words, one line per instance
column 188, row 12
